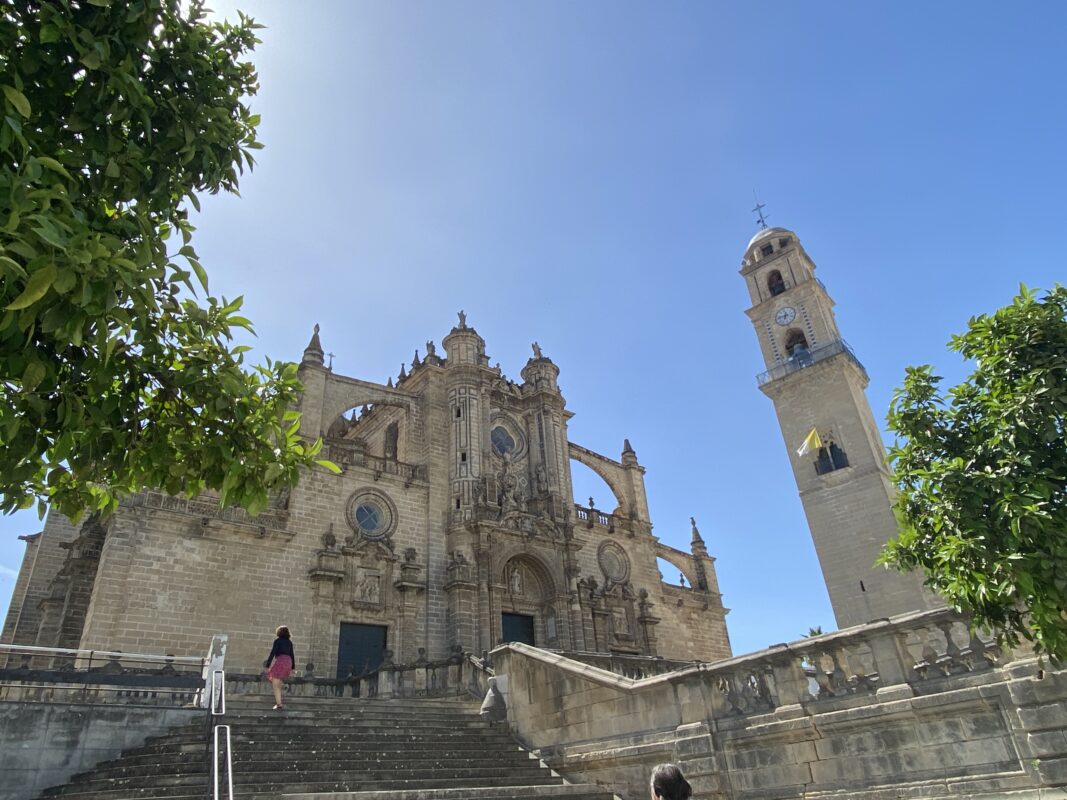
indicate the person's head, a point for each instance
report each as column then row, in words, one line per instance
column 668, row 783
column 282, row 632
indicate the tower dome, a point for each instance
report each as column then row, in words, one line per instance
column 773, row 238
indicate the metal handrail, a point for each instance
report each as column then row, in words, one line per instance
column 806, row 358
column 218, row 693
column 222, row 730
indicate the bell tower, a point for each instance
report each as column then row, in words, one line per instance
column 834, row 445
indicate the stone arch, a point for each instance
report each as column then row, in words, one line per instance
column 795, row 338
column 609, row 471
column 532, row 566
column 775, row 283
column 683, row 562
column 341, row 395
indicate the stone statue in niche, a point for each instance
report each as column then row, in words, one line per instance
column 515, row 580
column 619, row 621
column 550, row 625
column 541, row 479
column 512, row 498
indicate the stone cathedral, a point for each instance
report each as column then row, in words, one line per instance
column 450, row 528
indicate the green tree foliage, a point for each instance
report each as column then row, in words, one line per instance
column 114, row 116
column 982, row 471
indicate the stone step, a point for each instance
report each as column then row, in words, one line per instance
column 311, row 734
column 476, row 787
column 285, row 762
column 382, row 774
column 421, row 704
column 498, row 751
column 190, row 742
column 266, row 706
column 564, row 792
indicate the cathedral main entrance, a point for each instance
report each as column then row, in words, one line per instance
column 360, row 648
column 517, row 628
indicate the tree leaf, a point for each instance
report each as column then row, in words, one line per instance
column 36, row 288
column 18, row 100
column 33, row 375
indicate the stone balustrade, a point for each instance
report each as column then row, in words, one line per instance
column 629, row 666
column 591, row 516
column 458, row 675
column 911, row 706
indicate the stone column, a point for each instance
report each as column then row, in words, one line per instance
column 326, row 578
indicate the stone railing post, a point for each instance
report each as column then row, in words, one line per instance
column 790, row 682
column 891, row 661
column 386, row 682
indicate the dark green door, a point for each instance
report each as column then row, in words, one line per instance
column 518, row 628
column 360, row 648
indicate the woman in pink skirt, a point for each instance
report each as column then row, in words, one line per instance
column 281, row 654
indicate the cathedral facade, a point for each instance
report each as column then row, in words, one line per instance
column 451, row 527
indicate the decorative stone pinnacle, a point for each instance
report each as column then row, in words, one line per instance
column 696, row 533
column 415, row 363
column 313, row 353
column 403, row 373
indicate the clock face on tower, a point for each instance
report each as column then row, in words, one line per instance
column 785, row 315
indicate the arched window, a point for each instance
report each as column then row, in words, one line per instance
column 796, row 343
column 775, row 283
column 831, row 457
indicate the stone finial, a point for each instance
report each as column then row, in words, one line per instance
column 389, row 383
column 698, row 548
column 629, row 457
column 415, row 363
column 403, row 373
column 696, row 533
column 313, row 353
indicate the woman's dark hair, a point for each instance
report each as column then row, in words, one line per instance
column 669, row 783
column 282, row 632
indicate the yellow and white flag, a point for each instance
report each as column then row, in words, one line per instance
column 812, row 442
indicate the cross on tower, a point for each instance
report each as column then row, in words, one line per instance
column 330, row 356
column 759, row 212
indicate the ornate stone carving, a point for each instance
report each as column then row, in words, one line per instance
column 614, row 562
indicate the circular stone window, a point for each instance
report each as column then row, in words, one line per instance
column 371, row 515
column 614, row 562
column 503, row 442
column 505, row 437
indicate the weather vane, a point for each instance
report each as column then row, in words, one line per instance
column 759, row 212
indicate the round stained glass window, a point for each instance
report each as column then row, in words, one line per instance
column 371, row 514
column 503, row 442
column 369, row 517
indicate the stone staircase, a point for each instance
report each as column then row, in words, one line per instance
column 336, row 748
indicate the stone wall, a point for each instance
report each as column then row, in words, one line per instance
column 45, row 744
column 909, row 707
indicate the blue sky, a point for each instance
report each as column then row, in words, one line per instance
column 581, row 174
